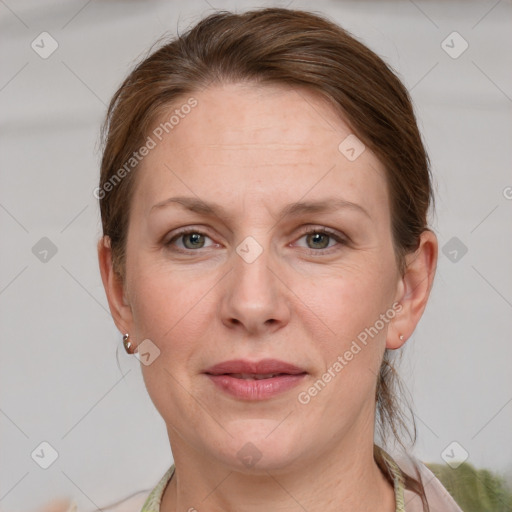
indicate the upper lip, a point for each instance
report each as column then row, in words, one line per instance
column 264, row 366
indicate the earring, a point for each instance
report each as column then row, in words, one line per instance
column 401, row 337
column 127, row 344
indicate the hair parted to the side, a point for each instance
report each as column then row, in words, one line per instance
column 305, row 51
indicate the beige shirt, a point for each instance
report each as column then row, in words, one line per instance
column 439, row 499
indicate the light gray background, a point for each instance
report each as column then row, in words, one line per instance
column 59, row 380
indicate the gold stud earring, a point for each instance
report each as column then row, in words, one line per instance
column 127, row 344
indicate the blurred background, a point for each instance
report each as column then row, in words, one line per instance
column 73, row 423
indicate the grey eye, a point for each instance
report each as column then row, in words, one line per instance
column 320, row 240
column 196, row 240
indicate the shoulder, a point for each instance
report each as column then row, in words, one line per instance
column 439, row 499
column 133, row 503
column 142, row 501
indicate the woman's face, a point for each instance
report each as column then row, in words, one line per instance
column 249, row 284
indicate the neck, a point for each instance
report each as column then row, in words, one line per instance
column 341, row 480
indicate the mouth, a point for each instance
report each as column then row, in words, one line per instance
column 265, row 368
column 252, row 376
column 260, row 380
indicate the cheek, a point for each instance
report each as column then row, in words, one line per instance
column 168, row 305
column 347, row 300
column 340, row 318
column 174, row 312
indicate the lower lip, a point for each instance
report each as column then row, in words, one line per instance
column 248, row 389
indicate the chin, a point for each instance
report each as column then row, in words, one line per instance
column 260, row 445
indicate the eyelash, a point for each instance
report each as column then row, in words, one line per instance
column 310, row 231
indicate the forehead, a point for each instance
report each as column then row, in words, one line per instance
column 246, row 116
column 274, row 141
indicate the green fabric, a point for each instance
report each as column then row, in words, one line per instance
column 152, row 504
column 475, row 490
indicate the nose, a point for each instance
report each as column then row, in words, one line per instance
column 255, row 299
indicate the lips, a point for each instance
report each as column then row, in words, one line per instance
column 253, row 376
column 261, row 380
column 263, row 369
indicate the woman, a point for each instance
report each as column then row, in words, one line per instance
column 264, row 194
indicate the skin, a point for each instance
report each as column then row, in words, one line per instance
column 253, row 150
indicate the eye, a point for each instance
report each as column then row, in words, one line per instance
column 191, row 239
column 318, row 239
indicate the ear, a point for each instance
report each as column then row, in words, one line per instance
column 114, row 288
column 414, row 289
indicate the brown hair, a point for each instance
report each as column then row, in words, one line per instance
column 298, row 49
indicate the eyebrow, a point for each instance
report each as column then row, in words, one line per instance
column 293, row 209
